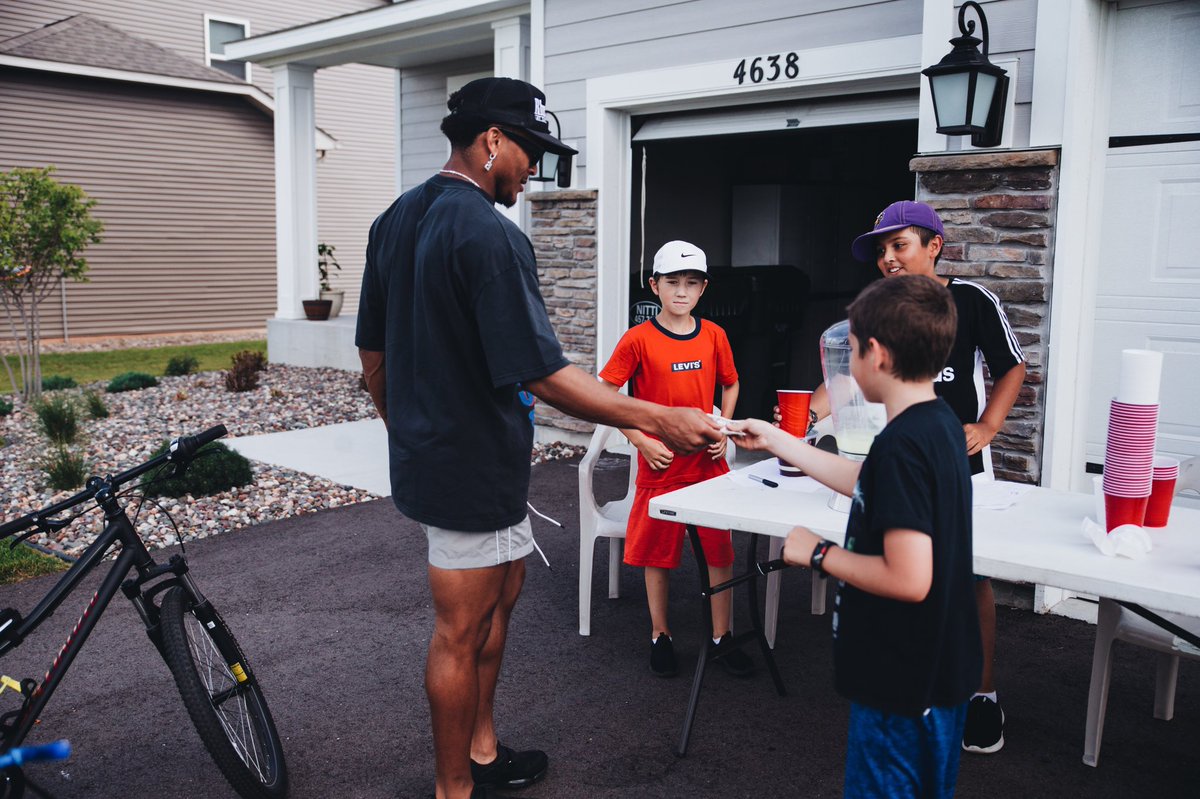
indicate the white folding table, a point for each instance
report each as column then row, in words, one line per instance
column 1038, row 539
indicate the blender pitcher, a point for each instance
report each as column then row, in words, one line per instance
column 855, row 421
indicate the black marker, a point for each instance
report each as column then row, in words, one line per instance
column 763, row 480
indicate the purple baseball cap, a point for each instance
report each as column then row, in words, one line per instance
column 897, row 216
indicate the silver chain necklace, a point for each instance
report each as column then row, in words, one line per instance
column 467, row 178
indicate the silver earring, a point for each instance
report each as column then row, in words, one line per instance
column 488, row 166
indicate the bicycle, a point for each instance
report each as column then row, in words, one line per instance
column 218, row 687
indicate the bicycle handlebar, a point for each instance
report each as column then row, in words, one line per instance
column 58, row 750
column 181, row 450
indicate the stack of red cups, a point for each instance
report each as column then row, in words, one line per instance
column 1128, row 462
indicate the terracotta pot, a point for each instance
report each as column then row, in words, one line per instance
column 317, row 310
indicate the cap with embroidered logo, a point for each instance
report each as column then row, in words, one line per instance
column 896, row 217
column 508, row 102
column 679, row 256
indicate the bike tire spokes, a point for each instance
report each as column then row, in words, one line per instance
column 229, row 698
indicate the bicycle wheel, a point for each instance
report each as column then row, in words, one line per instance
column 222, row 697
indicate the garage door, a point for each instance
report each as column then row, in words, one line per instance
column 1149, row 277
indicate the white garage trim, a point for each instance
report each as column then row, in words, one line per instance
column 877, row 65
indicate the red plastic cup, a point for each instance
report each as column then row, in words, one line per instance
column 1124, row 510
column 793, row 419
column 1162, row 491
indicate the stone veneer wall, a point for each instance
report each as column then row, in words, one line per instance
column 999, row 210
column 563, row 230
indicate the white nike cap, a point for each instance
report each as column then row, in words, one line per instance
column 679, row 256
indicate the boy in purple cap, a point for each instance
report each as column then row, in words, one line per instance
column 907, row 240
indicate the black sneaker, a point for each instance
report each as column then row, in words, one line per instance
column 733, row 659
column 510, row 769
column 662, row 657
column 984, row 732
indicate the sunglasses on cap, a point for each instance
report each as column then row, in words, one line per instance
column 533, row 151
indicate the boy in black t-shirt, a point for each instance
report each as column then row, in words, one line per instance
column 906, row 633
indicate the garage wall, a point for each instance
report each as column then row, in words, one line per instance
column 585, row 40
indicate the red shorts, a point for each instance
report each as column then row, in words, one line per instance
column 659, row 543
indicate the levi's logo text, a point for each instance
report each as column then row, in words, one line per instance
column 686, row 366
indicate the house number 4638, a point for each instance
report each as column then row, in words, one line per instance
column 768, row 68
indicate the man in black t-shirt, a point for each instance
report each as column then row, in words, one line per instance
column 906, row 633
column 451, row 326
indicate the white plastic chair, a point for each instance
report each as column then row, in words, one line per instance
column 608, row 520
column 1115, row 623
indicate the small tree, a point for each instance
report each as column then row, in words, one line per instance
column 44, row 228
column 325, row 261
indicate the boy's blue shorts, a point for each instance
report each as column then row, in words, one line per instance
column 895, row 756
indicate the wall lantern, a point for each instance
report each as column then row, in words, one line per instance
column 969, row 92
column 554, row 167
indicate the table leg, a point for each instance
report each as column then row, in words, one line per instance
column 706, row 650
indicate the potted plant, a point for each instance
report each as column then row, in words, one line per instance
column 317, row 310
column 325, row 261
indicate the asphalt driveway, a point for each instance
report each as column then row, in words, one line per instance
column 332, row 609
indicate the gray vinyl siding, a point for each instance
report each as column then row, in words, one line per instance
column 587, row 40
column 354, row 105
column 422, row 106
column 356, row 182
column 184, row 183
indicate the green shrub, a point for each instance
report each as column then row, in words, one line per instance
column 64, row 468
column 6, row 406
column 131, row 381
column 180, row 365
column 58, row 418
column 55, row 382
column 95, row 405
column 216, row 468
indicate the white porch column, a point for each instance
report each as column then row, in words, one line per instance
column 295, row 190
column 512, row 61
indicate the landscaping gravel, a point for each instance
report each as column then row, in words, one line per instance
column 288, row 398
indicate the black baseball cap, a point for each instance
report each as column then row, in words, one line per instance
column 508, row 102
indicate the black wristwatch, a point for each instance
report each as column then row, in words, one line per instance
column 818, row 556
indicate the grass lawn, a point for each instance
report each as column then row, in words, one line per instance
column 24, row 562
column 88, row 367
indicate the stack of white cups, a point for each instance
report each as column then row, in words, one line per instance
column 1132, row 430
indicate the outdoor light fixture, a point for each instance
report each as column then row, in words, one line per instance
column 554, row 167
column 969, row 92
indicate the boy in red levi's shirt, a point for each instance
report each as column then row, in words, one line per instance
column 677, row 359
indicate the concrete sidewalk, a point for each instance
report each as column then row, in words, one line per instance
column 350, row 453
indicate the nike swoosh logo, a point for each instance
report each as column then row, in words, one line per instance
column 686, row 254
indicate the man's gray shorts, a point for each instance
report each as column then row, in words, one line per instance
column 452, row 549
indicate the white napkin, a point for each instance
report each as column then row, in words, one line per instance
column 988, row 494
column 1127, row 541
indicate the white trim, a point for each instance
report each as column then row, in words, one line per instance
column 824, row 71
column 1046, row 119
column 937, row 28
column 398, row 109
column 249, row 91
column 851, row 110
column 244, row 24
column 537, row 45
column 353, row 31
column 1077, row 243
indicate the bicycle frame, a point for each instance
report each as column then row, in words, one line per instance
column 134, row 556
